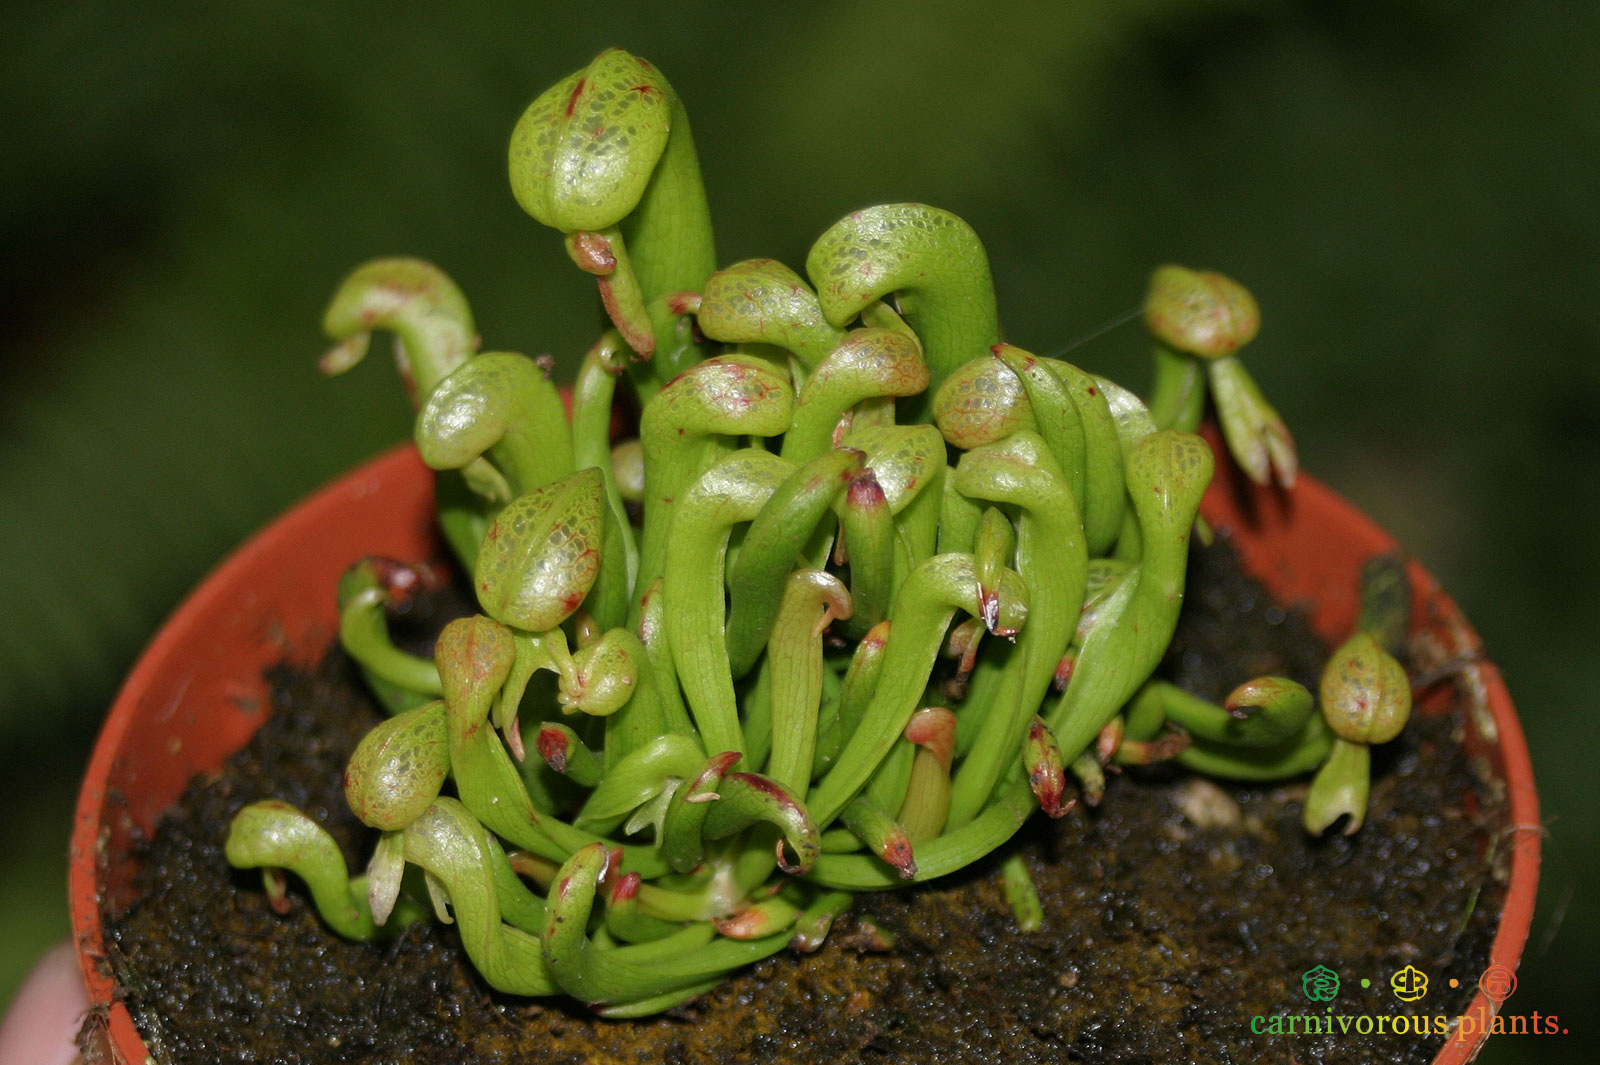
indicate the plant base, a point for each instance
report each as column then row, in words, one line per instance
column 1174, row 913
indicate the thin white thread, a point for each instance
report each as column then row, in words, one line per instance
column 1099, row 331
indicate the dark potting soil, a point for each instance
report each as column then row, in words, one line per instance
column 1176, row 913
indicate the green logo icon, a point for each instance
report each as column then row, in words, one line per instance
column 1320, row 984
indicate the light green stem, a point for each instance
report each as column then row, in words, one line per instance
column 733, row 491
column 923, row 609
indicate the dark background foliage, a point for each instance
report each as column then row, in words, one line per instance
column 1409, row 187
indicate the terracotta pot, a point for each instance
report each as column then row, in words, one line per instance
column 197, row 693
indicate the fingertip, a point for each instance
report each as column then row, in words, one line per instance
column 41, row 1025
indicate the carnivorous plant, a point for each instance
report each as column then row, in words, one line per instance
column 868, row 588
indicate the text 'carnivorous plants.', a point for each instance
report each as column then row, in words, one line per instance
column 869, row 587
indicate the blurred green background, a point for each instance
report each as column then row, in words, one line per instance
column 1410, row 187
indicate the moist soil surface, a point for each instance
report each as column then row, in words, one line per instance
column 1176, row 912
